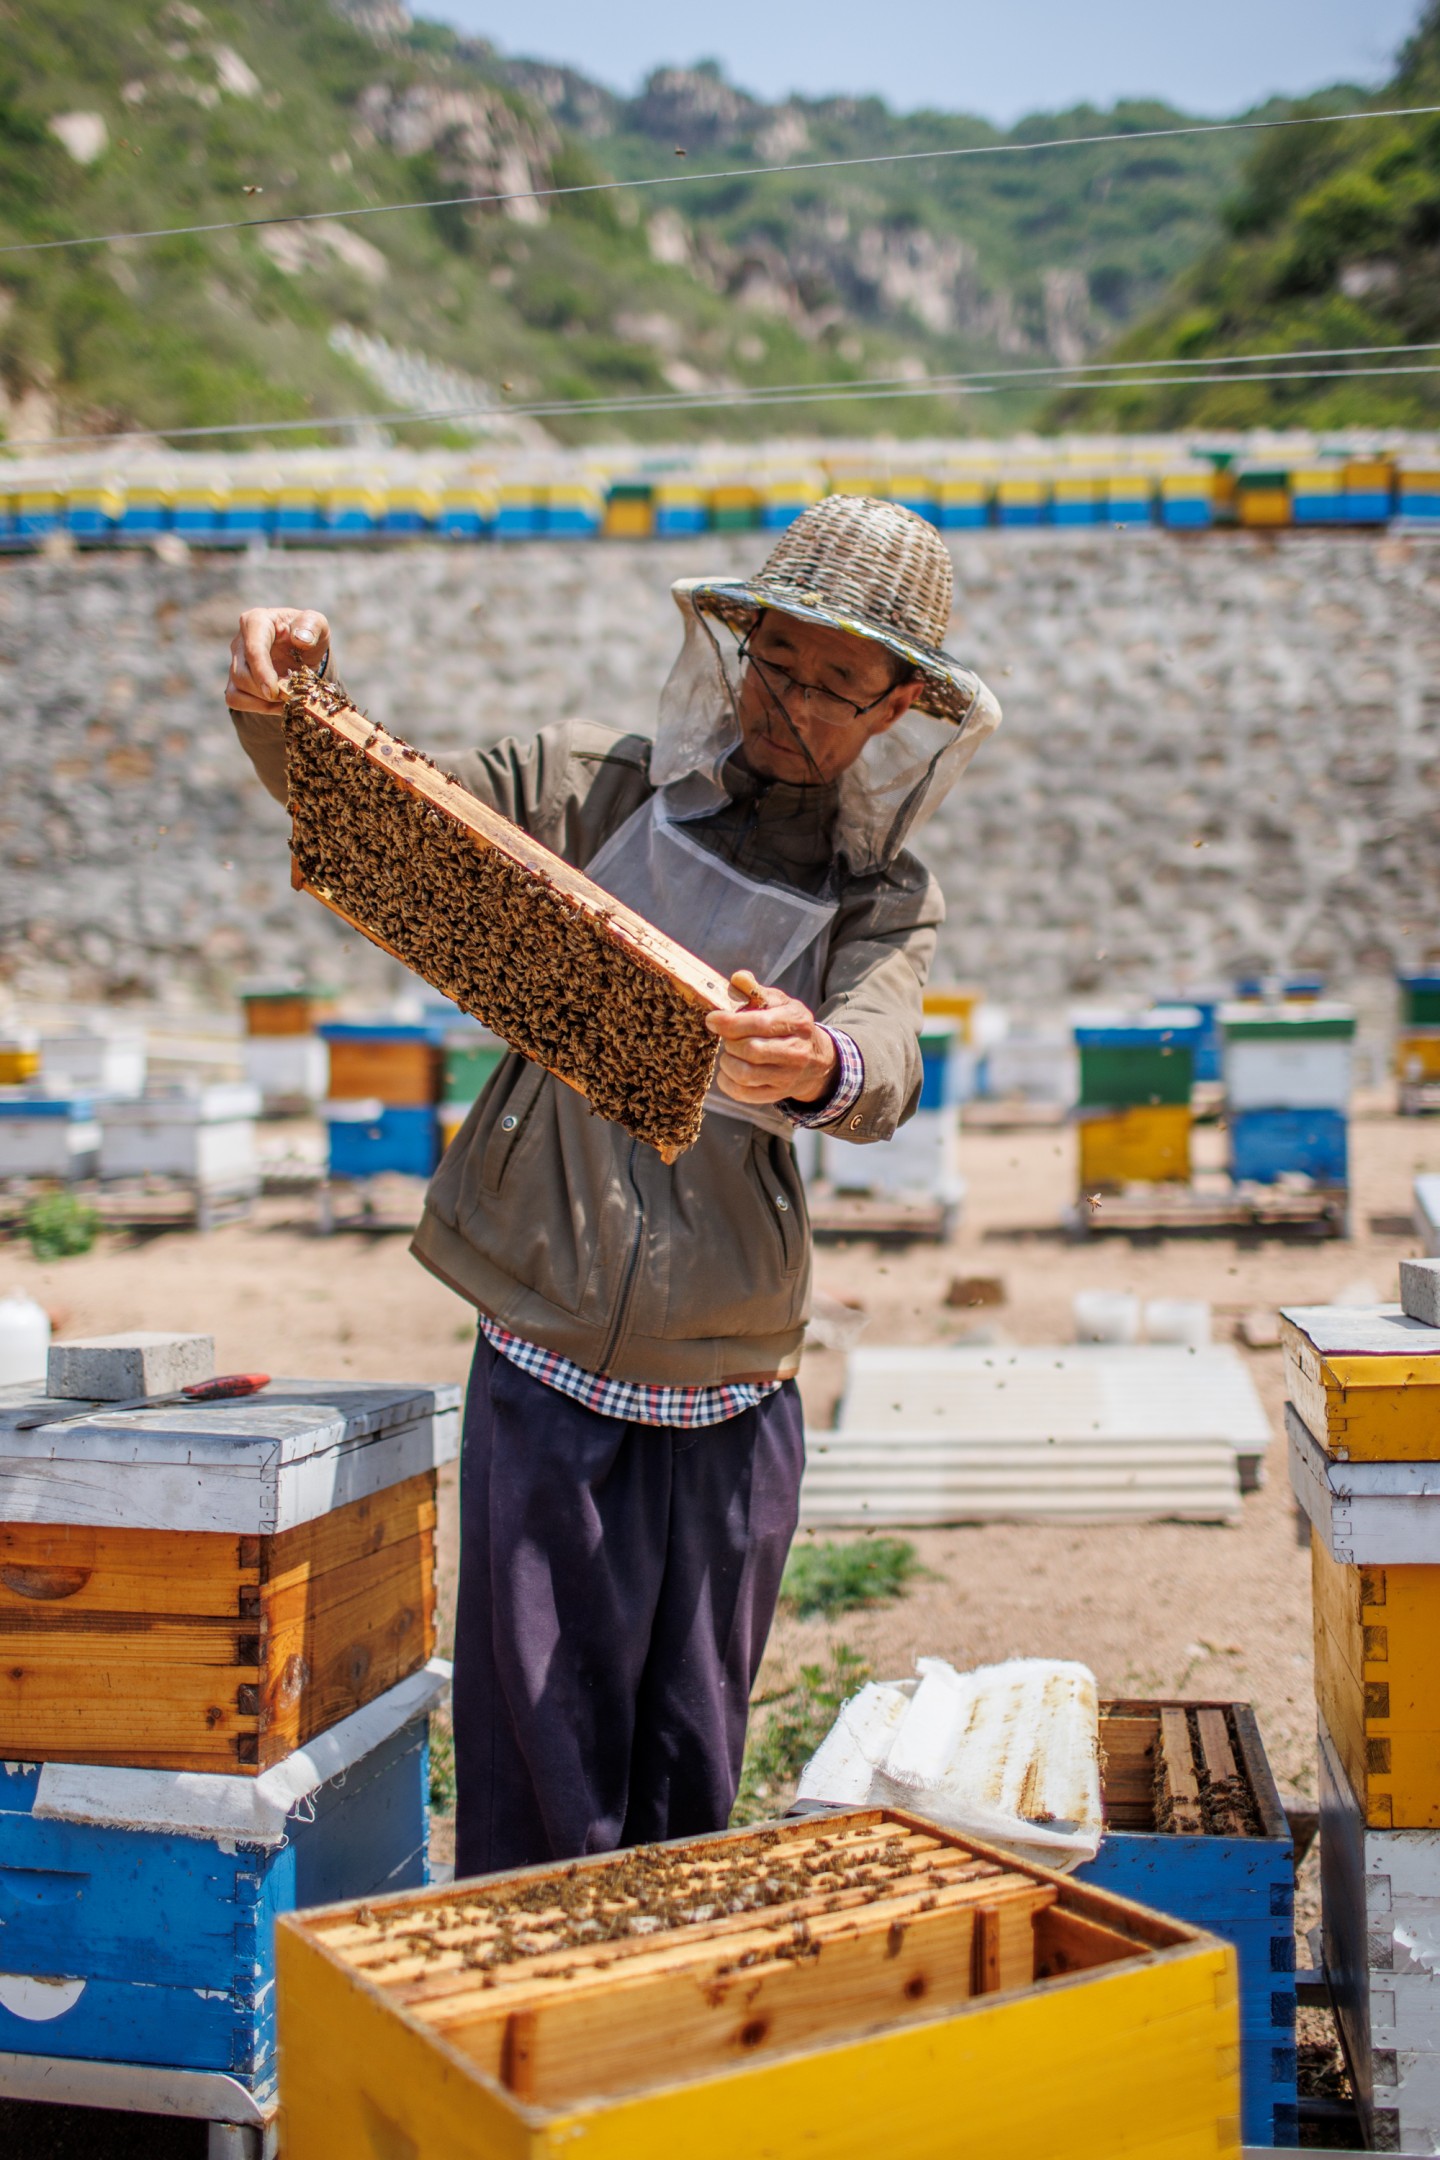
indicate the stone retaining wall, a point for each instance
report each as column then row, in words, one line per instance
column 1217, row 754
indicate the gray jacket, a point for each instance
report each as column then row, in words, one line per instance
column 574, row 1235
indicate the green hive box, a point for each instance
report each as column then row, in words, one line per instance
column 470, row 1060
column 1120, row 1079
column 1420, row 1001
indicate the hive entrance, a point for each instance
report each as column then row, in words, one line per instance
column 487, row 916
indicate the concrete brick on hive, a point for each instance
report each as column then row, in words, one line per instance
column 548, row 960
column 113, row 1368
column 1420, row 1290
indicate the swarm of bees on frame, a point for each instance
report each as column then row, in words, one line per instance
column 648, row 1892
column 534, row 966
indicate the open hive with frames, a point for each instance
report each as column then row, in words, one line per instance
column 847, row 1984
column 493, row 920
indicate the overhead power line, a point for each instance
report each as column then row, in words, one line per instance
column 738, row 172
column 984, row 382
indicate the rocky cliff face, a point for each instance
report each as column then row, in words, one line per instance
column 1215, row 756
column 480, row 144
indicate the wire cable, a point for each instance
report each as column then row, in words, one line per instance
column 739, row 172
column 992, row 382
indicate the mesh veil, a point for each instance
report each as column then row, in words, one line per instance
column 898, row 780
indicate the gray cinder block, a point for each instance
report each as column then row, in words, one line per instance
column 1420, row 1290
column 112, row 1368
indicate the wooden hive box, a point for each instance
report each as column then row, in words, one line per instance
column 1365, row 1381
column 139, row 1906
column 207, row 1587
column 1377, row 1683
column 842, row 1986
column 1381, row 1903
column 397, row 1063
column 1194, row 1827
column 516, row 937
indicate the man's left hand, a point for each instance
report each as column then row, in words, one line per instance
column 774, row 1052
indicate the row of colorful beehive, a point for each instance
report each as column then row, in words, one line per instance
column 399, row 1091
column 1286, row 1071
column 1364, row 1388
column 321, row 509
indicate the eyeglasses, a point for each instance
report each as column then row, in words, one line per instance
column 827, row 706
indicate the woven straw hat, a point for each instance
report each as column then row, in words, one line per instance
column 855, row 563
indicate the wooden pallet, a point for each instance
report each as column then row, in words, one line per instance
column 193, row 1650
column 831, row 1983
column 1175, row 1210
column 882, row 1216
column 1419, row 1098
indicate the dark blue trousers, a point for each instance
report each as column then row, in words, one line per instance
column 617, row 1585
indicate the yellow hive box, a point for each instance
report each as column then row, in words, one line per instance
column 1377, row 1684
column 401, row 1074
column 959, row 1005
column 1417, row 1057
column 18, row 1063
column 952, row 2004
column 1146, row 1145
column 1366, row 1382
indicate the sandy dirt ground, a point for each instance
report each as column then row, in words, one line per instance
column 1167, row 1608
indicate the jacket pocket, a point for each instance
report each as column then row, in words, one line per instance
column 786, row 1194
column 510, row 1114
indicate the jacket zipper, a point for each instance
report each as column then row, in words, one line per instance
column 627, row 1286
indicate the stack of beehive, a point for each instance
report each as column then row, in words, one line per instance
column 1287, row 1091
column 1364, row 1422
column 1136, row 1076
column 383, row 1101
column 243, row 1589
column 55, row 1091
column 284, row 1056
column 1417, row 1046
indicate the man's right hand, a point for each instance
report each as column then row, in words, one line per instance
column 268, row 644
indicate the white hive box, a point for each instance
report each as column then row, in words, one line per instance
column 253, row 1467
column 94, row 1061
column 921, row 1161
column 41, row 1136
column 1087, row 1432
column 1368, row 1514
column 1381, row 1891
column 1038, row 1068
column 1296, row 1057
column 287, row 1068
column 206, row 1134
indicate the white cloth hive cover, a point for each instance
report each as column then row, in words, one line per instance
column 1009, row 1754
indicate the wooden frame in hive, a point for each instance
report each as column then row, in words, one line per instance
column 843, row 1985
column 547, row 959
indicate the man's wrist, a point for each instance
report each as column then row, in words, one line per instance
column 827, row 1061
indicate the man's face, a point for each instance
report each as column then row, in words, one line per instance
column 812, row 697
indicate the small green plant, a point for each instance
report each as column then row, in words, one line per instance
column 442, row 1766
column 59, row 1226
column 826, row 1579
column 782, row 1743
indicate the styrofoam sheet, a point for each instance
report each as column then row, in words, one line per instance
column 245, row 1811
column 1160, row 1393
column 1368, row 1514
column 249, row 1468
column 909, row 1478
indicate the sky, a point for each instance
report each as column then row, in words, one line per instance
column 999, row 60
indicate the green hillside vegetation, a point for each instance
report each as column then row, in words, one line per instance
column 281, row 106
column 1332, row 239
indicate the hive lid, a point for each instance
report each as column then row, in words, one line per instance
column 1301, row 1022
column 1363, row 1331
column 291, row 1421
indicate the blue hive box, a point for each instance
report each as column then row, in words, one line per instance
column 1269, row 1144
column 138, row 1907
column 1240, row 1888
column 368, row 1139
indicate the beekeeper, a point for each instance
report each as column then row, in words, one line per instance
column 633, row 1439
